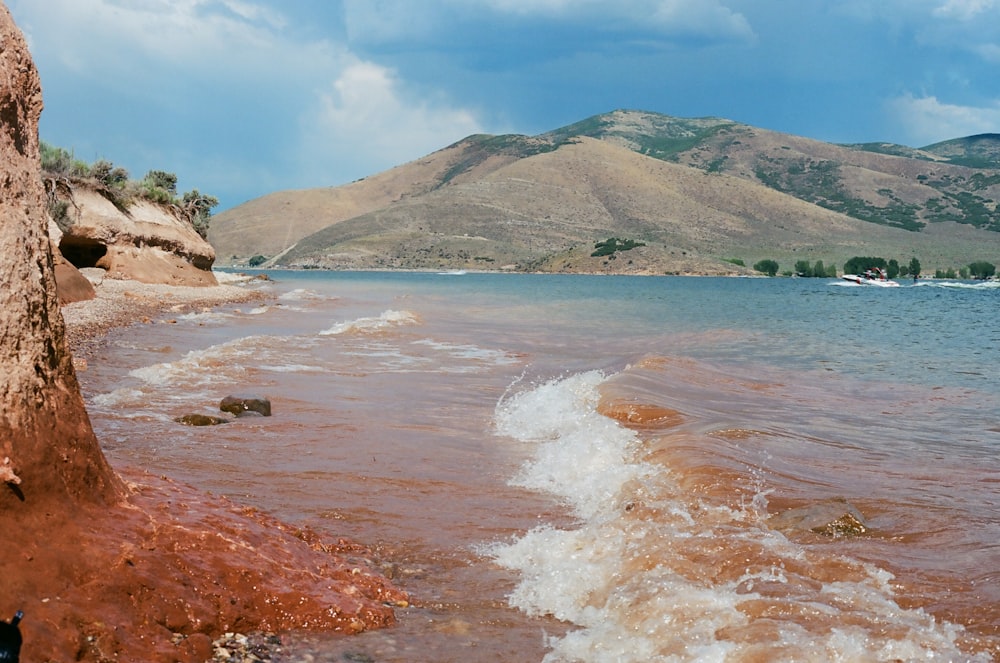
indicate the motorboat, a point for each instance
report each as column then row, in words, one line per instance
column 875, row 276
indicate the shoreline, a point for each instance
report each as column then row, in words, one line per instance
column 122, row 303
column 182, row 541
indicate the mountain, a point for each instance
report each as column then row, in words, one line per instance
column 693, row 195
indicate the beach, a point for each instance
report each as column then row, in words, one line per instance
column 123, row 302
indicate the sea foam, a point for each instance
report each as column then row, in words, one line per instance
column 650, row 573
column 373, row 325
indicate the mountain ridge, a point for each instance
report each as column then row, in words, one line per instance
column 701, row 194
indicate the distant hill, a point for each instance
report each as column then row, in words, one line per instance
column 698, row 195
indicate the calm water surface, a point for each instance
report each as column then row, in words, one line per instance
column 577, row 468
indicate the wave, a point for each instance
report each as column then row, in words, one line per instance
column 300, row 295
column 658, row 572
column 373, row 325
column 961, row 285
column 472, row 354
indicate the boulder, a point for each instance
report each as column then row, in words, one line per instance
column 201, row 420
column 71, row 285
column 241, row 405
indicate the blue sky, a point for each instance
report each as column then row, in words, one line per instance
column 244, row 97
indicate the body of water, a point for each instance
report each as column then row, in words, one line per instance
column 577, row 468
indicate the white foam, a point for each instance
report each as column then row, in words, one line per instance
column 300, row 294
column 206, row 317
column 388, row 320
column 639, row 588
column 581, row 456
column 118, row 397
column 208, row 365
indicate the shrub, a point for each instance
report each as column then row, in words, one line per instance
column 108, row 174
column 162, row 180
column 609, row 246
column 55, row 159
column 158, row 186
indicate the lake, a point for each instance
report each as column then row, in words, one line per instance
column 604, row 468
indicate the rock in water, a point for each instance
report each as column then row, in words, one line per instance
column 200, row 420
column 240, row 405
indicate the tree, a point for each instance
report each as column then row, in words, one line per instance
column 914, row 267
column 803, row 268
column 859, row 264
column 768, row 267
column 982, row 269
column 892, row 270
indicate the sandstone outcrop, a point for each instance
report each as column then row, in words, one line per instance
column 146, row 242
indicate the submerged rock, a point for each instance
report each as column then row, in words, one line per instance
column 834, row 518
column 240, row 405
column 201, row 420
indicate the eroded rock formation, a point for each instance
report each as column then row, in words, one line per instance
column 146, row 242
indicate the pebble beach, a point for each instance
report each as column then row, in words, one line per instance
column 120, row 303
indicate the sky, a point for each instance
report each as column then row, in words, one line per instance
column 241, row 98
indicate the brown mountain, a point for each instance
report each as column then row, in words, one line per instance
column 695, row 193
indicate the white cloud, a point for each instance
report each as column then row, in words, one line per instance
column 170, row 38
column 989, row 52
column 365, row 118
column 309, row 108
column 926, row 120
column 964, row 10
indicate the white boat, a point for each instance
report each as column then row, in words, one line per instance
column 874, row 276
